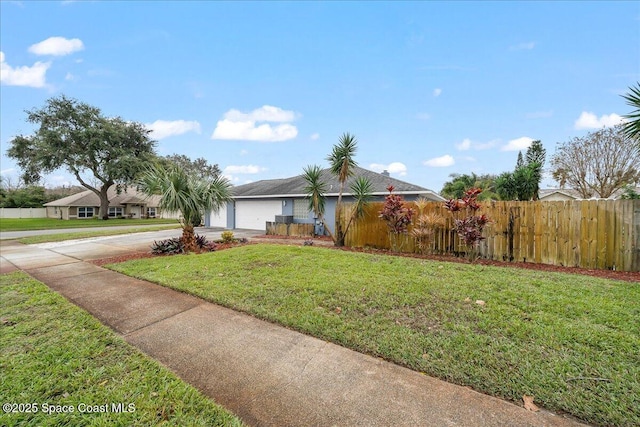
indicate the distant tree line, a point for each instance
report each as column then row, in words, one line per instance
column 521, row 184
column 31, row 196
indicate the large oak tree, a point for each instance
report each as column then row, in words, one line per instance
column 76, row 136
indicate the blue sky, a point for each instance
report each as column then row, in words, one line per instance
column 264, row 89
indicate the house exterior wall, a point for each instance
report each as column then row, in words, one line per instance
column 73, row 212
column 58, row 212
column 217, row 219
column 287, row 207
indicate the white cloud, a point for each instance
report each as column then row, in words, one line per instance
column 33, row 76
column 244, row 152
column 315, row 136
column 395, row 168
column 423, row 116
column 244, row 169
column 266, row 113
column 69, row 77
column 523, row 46
column 440, row 162
column 588, row 120
column 227, row 129
column 437, row 92
column 7, row 171
column 464, row 145
column 161, row 129
column 57, row 46
column 518, row 144
column 237, row 125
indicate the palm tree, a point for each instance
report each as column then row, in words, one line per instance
column 341, row 163
column 315, row 191
column 361, row 190
column 632, row 127
column 184, row 193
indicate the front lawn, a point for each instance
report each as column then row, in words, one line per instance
column 571, row 341
column 22, row 224
column 53, row 355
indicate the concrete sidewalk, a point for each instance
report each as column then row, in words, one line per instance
column 266, row 374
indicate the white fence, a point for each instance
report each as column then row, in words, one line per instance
column 23, row 212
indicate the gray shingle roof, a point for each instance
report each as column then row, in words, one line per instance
column 294, row 186
column 89, row 198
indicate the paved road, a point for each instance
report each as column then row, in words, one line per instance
column 6, row 235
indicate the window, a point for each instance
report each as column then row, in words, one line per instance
column 151, row 212
column 115, row 212
column 300, row 209
column 85, row 212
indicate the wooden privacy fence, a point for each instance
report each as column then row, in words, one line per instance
column 602, row 234
column 298, row 230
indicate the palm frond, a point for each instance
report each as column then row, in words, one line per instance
column 315, row 189
column 632, row 126
column 361, row 190
column 341, row 160
column 181, row 192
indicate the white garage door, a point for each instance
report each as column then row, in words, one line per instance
column 219, row 219
column 253, row 214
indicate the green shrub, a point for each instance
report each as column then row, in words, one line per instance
column 175, row 246
column 227, row 236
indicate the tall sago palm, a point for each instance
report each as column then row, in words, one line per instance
column 341, row 163
column 315, row 191
column 361, row 190
column 184, row 193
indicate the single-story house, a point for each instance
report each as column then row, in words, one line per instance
column 257, row 203
column 558, row 194
column 563, row 194
column 128, row 203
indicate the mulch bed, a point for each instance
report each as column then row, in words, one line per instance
column 627, row 276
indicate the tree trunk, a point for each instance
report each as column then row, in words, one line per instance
column 104, row 203
column 339, row 237
column 189, row 238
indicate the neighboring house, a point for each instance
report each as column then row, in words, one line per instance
column 558, row 194
column 127, row 204
column 260, row 202
column 562, row 194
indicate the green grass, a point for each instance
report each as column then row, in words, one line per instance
column 52, row 352
column 86, row 234
column 22, row 224
column 571, row 341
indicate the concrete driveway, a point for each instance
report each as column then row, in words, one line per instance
column 109, row 246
